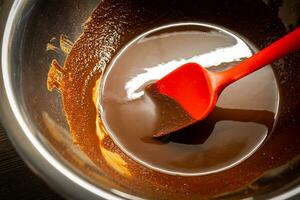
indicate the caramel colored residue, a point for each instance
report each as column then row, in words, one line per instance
column 51, row 47
column 54, row 76
column 99, row 129
column 65, row 44
column 113, row 159
column 112, row 25
column 116, row 162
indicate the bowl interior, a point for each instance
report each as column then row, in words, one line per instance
column 39, row 22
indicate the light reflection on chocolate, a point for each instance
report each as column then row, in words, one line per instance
column 218, row 48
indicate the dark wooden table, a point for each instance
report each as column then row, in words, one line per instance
column 17, row 181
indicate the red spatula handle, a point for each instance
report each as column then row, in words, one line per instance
column 276, row 50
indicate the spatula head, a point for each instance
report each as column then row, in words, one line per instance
column 191, row 88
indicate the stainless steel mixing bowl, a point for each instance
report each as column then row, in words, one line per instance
column 34, row 118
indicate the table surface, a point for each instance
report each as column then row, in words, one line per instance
column 17, row 181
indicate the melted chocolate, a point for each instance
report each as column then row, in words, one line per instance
column 172, row 117
column 132, row 112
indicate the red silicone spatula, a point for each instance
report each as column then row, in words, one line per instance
column 197, row 90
